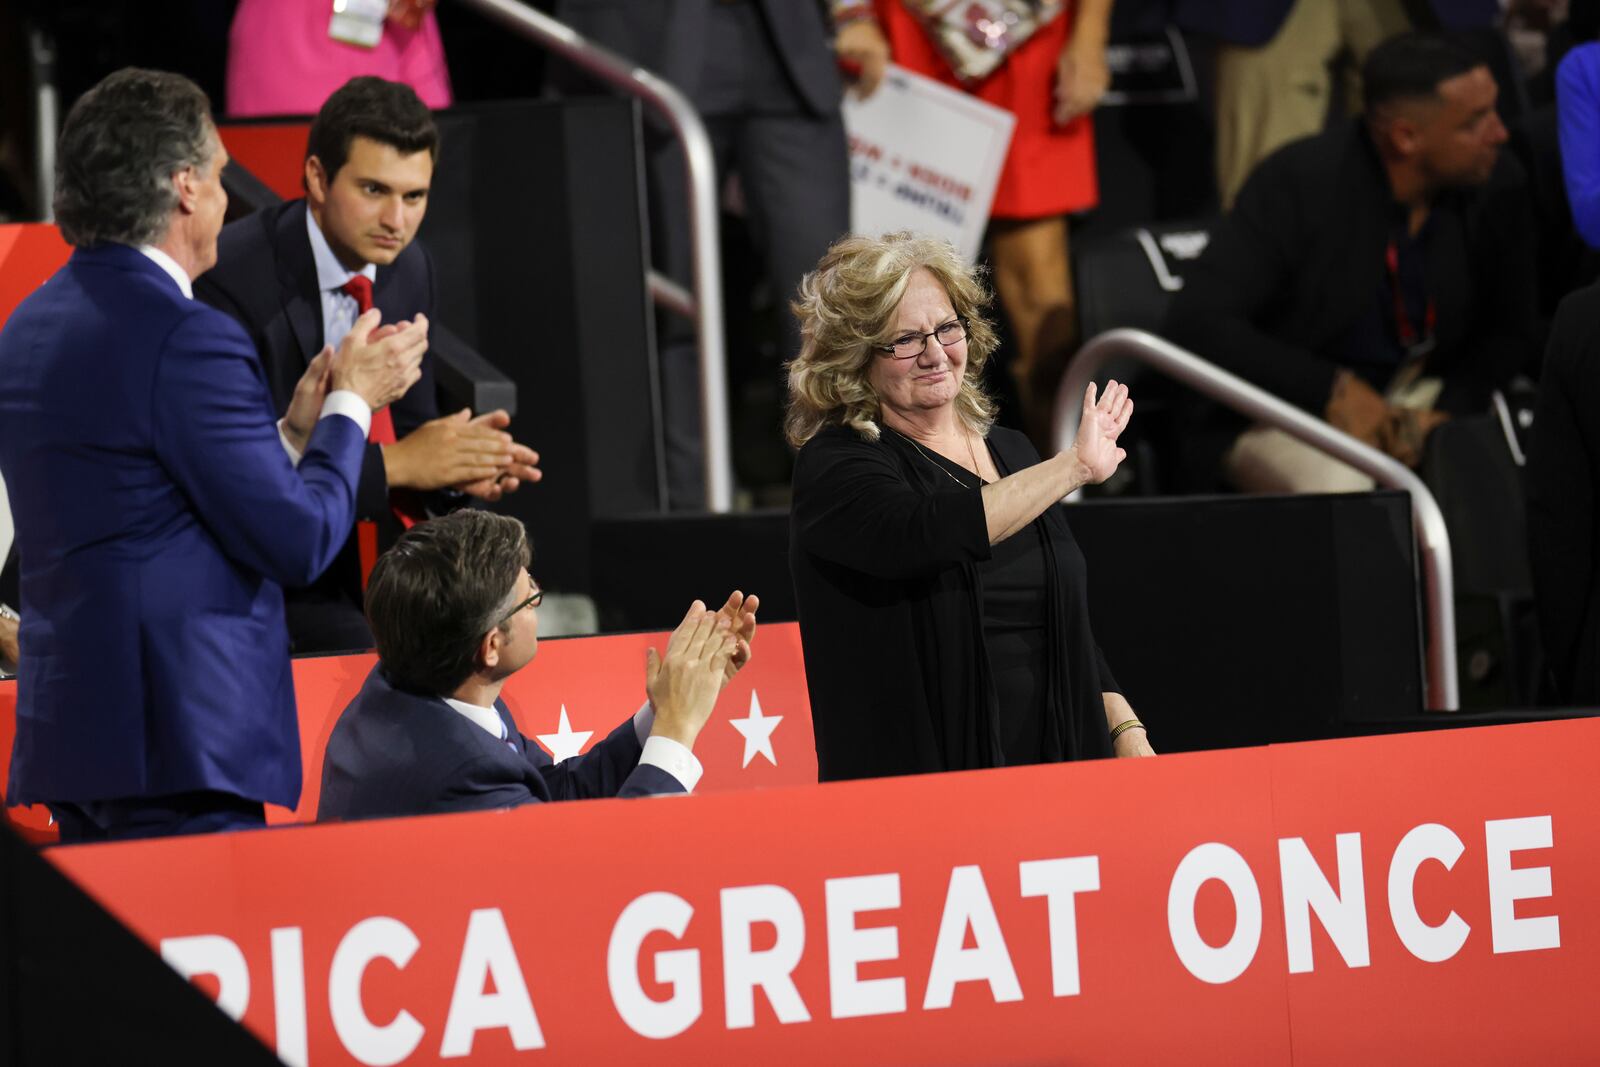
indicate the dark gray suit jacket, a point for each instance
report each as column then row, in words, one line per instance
column 395, row 753
column 666, row 37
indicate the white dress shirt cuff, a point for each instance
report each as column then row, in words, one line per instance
column 348, row 403
column 283, row 438
column 644, row 720
column 673, row 758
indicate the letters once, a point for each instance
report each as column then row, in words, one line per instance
column 1203, row 863
column 1306, row 889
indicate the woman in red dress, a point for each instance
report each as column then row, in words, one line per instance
column 1050, row 83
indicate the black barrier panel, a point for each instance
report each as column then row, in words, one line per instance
column 1228, row 620
column 1244, row 620
column 76, row 987
column 534, row 222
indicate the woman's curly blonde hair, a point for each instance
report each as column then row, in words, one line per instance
column 846, row 308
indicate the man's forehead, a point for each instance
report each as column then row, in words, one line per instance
column 369, row 159
column 1472, row 90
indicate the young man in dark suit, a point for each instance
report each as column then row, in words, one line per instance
column 160, row 502
column 296, row 275
column 455, row 613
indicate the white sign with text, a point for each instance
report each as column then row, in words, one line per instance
column 924, row 157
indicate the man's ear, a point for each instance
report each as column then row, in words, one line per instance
column 316, row 180
column 1405, row 135
column 488, row 656
column 188, row 196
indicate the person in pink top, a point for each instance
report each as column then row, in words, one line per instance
column 285, row 57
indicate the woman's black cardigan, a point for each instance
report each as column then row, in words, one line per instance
column 884, row 548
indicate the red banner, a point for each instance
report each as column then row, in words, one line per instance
column 1420, row 898
column 574, row 693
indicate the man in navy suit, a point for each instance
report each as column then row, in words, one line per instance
column 455, row 614
column 287, row 274
column 159, row 501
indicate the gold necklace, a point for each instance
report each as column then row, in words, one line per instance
column 946, row 470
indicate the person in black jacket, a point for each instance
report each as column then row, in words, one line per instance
column 1380, row 275
column 1563, row 486
column 290, row 275
column 942, row 600
column 764, row 76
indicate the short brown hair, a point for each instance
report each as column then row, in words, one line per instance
column 846, row 308
column 390, row 113
column 433, row 596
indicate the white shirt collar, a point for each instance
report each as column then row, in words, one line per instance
column 170, row 265
column 487, row 718
column 331, row 274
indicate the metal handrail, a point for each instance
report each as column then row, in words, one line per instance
column 705, row 306
column 46, row 120
column 1433, row 540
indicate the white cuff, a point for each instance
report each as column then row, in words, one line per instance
column 644, row 720
column 673, row 758
column 348, row 403
column 283, row 439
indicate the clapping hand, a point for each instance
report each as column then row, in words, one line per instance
column 305, row 407
column 740, row 611
column 524, row 465
column 683, row 684
column 1103, row 422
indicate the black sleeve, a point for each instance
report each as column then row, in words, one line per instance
column 1244, row 272
column 853, row 506
column 1505, row 299
column 1561, row 481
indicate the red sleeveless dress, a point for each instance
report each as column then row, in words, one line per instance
column 1049, row 169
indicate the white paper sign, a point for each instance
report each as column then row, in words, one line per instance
column 924, row 157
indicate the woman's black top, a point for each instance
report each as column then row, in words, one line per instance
column 926, row 650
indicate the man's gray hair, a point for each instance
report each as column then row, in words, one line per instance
column 122, row 143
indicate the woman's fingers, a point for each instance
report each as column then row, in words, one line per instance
column 1088, row 398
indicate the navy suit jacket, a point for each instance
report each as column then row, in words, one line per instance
column 396, row 753
column 157, row 516
column 266, row 278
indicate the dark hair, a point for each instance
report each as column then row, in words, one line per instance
column 119, row 148
column 433, row 596
column 1410, row 66
column 388, row 112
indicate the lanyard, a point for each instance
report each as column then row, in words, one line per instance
column 1402, row 321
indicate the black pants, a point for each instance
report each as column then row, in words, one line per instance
column 794, row 171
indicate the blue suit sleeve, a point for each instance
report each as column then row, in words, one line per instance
column 609, row 769
column 216, row 434
column 1578, row 120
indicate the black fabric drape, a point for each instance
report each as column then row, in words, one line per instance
column 883, row 550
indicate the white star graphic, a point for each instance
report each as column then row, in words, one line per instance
column 565, row 742
column 757, row 730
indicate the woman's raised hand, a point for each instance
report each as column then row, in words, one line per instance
column 1104, row 419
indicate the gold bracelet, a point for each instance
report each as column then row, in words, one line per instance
column 1124, row 726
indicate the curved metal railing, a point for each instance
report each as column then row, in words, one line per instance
column 705, row 305
column 1433, row 540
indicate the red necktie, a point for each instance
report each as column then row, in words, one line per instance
column 382, row 433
